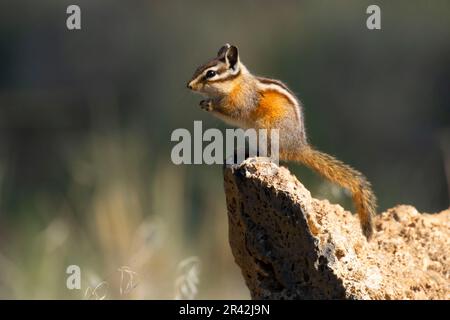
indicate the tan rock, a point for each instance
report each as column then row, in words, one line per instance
column 292, row 246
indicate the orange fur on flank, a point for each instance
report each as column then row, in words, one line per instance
column 271, row 108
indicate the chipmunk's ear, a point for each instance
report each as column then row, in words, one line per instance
column 232, row 57
column 222, row 51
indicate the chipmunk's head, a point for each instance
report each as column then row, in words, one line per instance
column 216, row 77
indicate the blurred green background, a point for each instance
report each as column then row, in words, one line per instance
column 86, row 117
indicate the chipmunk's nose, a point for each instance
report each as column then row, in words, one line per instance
column 189, row 85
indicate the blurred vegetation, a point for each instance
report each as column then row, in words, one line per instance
column 86, row 118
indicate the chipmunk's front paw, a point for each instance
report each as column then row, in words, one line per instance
column 206, row 105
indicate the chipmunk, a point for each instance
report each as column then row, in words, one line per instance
column 247, row 101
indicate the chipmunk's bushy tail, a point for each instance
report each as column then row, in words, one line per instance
column 347, row 177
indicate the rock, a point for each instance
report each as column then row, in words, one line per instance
column 292, row 246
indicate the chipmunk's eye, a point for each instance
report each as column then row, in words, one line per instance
column 210, row 74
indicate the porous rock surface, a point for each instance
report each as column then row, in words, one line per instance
column 292, row 246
